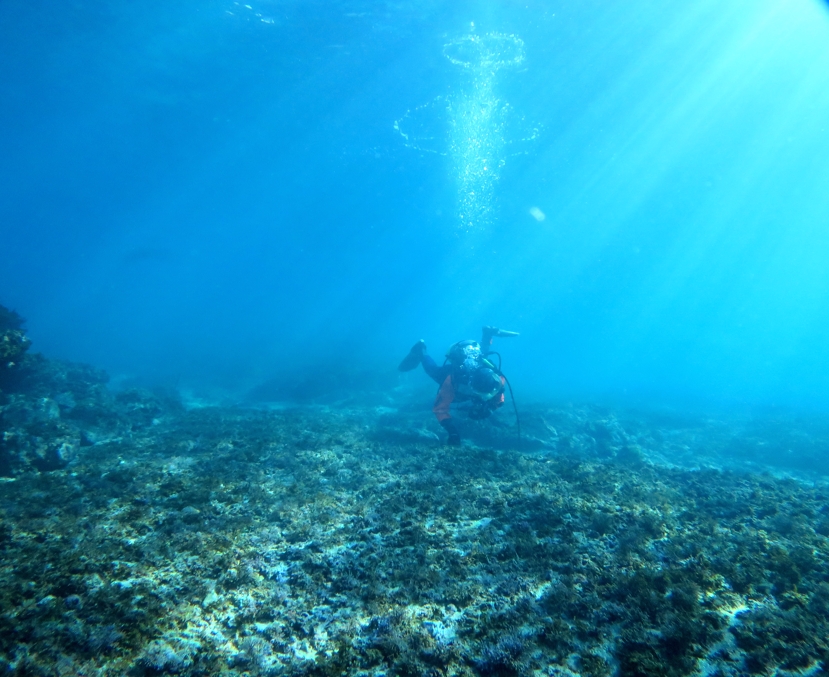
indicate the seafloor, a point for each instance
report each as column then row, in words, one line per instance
column 140, row 537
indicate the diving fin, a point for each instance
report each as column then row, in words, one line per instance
column 413, row 358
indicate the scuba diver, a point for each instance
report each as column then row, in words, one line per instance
column 465, row 376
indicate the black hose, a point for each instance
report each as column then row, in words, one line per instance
column 512, row 397
column 492, row 352
column 514, row 406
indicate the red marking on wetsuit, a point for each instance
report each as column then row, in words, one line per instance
column 444, row 399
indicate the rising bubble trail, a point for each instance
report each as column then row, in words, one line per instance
column 470, row 126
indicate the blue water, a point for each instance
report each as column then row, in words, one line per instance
column 212, row 195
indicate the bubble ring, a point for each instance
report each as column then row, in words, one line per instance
column 487, row 51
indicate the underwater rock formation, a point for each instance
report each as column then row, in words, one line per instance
column 13, row 344
column 347, row 540
column 49, row 409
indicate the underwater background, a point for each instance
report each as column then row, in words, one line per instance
column 215, row 195
column 224, row 223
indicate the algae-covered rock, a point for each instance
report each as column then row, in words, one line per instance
column 232, row 541
column 13, row 345
column 168, row 656
column 9, row 319
column 51, row 410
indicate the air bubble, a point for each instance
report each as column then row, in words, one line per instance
column 475, row 129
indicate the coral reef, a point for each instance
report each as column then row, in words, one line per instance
column 157, row 540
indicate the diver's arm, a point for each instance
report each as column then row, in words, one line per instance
column 488, row 333
column 486, row 339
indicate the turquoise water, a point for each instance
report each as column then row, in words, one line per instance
column 222, row 227
column 213, row 195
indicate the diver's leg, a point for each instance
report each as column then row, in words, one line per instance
column 436, row 373
column 443, row 402
column 454, row 438
column 417, row 355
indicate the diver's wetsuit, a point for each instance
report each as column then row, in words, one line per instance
column 446, row 394
column 457, row 375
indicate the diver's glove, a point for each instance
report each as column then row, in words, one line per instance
column 454, row 436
